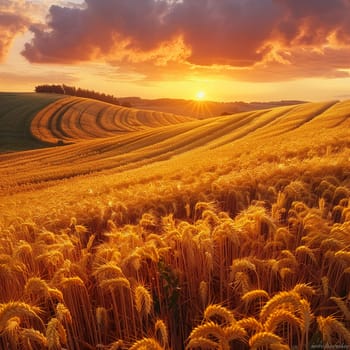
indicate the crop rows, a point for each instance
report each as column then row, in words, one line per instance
column 74, row 119
column 275, row 273
column 16, row 114
column 230, row 232
column 232, row 135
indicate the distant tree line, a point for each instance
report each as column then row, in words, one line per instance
column 73, row 91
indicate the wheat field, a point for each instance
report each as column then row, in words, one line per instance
column 146, row 230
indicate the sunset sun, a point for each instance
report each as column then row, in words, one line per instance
column 200, row 95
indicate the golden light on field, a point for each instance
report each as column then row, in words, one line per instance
column 200, row 95
column 138, row 214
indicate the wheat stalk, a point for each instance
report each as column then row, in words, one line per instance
column 202, row 343
column 114, row 283
column 55, row 334
column 17, row 309
column 279, row 300
column 263, row 340
column 146, row 343
column 214, row 311
column 302, row 251
column 203, row 292
column 251, row 323
column 101, row 317
column 303, row 289
column 161, row 333
column 36, row 286
column 107, row 271
column 35, row 336
column 143, row 300
column 235, row 331
column 325, row 286
column 328, row 325
column 254, row 294
column 280, row 316
column 208, row 329
column 242, row 265
column 117, row 345
column 63, row 314
column 342, row 306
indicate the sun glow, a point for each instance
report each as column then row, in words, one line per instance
column 200, row 95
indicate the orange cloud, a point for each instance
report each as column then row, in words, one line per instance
column 10, row 25
column 246, row 39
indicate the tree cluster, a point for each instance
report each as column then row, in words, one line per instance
column 73, row 91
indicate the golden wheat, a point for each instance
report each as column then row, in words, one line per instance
column 304, row 290
column 143, row 300
column 208, row 329
column 218, row 311
column 146, row 343
column 325, row 285
column 203, row 292
column 342, row 306
column 113, row 283
column 280, row 316
column 117, row 345
column 279, row 300
column 263, row 340
column 330, row 325
column 251, row 324
column 17, row 309
column 63, row 314
column 202, row 343
column 55, row 334
column 32, row 335
column 235, row 332
column 36, row 287
column 161, row 333
column 254, row 294
column 202, row 220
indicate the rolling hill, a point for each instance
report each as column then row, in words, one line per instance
column 16, row 114
column 138, row 228
column 201, row 109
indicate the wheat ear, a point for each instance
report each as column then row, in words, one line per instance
column 251, row 323
column 202, row 343
column 19, row 309
column 55, row 334
column 219, row 311
column 280, row 316
column 254, row 294
column 303, row 289
column 342, row 306
column 143, row 300
column 278, row 300
column 161, row 332
column 34, row 336
column 146, row 343
column 329, row 325
column 264, row 339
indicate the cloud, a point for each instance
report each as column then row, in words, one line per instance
column 10, row 25
column 262, row 37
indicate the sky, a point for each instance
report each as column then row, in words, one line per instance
column 232, row 50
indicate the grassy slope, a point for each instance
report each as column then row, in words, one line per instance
column 16, row 113
column 281, row 175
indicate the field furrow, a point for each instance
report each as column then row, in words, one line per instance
column 76, row 119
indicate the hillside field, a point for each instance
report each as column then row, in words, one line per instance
column 133, row 229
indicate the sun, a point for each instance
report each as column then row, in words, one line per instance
column 200, row 95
